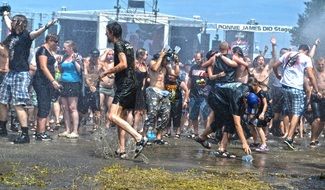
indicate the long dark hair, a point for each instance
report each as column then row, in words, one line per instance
column 238, row 50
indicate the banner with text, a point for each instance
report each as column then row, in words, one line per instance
column 254, row 28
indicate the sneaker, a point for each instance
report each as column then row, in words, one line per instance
column 262, row 148
column 290, row 144
column 42, row 137
column 254, row 145
column 72, row 135
column 3, row 132
column 22, row 139
column 140, row 145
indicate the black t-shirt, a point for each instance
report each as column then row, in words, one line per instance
column 19, row 49
column 198, row 81
column 220, row 66
column 39, row 75
column 229, row 98
column 126, row 75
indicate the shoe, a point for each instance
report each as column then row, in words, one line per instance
column 121, row 155
column 72, row 135
column 290, row 144
column 14, row 127
column 22, row 139
column 42, row 137
column 64, row 134
column 160, row 142
column 312, row 144
column 204, row 143
column 140, row 145
column 168, row 135
column 192, row 136
column 3, row 132
column 224, row 154
column 262, row 148
column 254, row 145
column 177, row 136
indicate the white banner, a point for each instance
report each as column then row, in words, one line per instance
column 254, row 28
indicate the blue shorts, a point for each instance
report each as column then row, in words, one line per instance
column 198, row 105
column 14, row 88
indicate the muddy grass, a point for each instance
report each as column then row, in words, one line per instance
column 15, row 175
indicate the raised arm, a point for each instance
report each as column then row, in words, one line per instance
column 154, row 65
column 38, row 32
column 312, row 52
column 7, row 19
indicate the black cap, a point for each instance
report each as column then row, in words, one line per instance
column 95, row 53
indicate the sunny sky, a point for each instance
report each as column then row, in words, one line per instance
column 265, row 12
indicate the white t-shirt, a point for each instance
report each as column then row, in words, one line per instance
column 293, row 76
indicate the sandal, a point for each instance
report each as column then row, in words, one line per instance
column 224, row 154
column 192, row 136
column 204, row 143
column 177, row 136
column 160, row 142
column 121, row 155
column 167, row 135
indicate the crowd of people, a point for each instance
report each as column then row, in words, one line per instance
column 224, row 92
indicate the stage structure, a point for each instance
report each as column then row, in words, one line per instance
column 147, row 30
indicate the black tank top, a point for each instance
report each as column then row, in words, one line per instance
column 220, row 66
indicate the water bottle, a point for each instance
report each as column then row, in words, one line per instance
column 151, row 135
column 247, row 158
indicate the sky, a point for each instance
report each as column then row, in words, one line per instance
column 265, row 12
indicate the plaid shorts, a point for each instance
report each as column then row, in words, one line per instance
column 294, row 100
column 14, row 88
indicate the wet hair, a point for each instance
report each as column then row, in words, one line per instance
column 304, row 47
column 209, row 54
column 223, row 46
column 255, row 60
column 238, row 50
column 21, row 22
column 199, row 52
column 115, row 28
column 141, row 52
column 71, row 44
column 52, row 37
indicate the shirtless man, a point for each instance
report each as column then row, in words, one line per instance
column 242, row 71
column 156, row 96
column 318, row 103
column 90, row 98
column 106, row 85
column 261, row 71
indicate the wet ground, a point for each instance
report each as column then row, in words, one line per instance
column 66, row 163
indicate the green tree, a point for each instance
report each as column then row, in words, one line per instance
column 310, row 25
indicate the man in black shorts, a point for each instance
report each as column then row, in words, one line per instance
column 229, row 102
column 126, row 86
